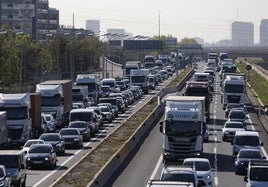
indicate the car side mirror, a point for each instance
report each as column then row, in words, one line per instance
column 232, row 143
column 22, row 166
column 264, row 158
column 246, row 179
column 261, row 143
column 161, row 127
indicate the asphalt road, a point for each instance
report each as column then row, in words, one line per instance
column 147, row 161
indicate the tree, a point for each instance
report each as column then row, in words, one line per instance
column 186, row 40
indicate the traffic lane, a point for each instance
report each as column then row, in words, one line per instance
column 44, row 178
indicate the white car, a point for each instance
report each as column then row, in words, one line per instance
column 48, row 122
column 30, row 142
column 229, row 129
column 203, row 170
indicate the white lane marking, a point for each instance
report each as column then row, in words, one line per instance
column 216, row 182
column 156, row 168
column 252, row 126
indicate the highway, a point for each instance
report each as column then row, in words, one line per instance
column 147, row 162
column 45, row 178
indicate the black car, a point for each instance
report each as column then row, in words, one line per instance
column 82, row 127
column 243, row 157
column 41, row 155
column 72, row 137
column 56, row 140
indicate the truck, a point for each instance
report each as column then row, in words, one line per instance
column 92, row 82
column 149, row 61
column 131, row 65
column 80, row 95
column 204, row 77
column 182, row 128
column 195, row 88
column 23, row 113
column 233, row 89
column 56, row 99
column 140, row 77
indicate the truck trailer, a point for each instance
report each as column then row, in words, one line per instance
column 56, row 99
column 182, row 128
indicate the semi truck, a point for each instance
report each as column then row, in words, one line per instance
column 92, row 82
column 56, row 99
column 23, row 115
column 182, row 127
column 131, row 65
column 80, row 94
column 233, row 89
column 195, row 88
column 140, row 77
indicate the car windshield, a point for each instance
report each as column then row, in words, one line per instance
column 105, row 109
column 69, row 132
column 234, row 125
column 78, row 125
column 29, row 143
column 183, row 177
column 259, row 174
column 247, row 140
column 40, row 149
column 249, row 154
column 199, row 166
column 50, row 137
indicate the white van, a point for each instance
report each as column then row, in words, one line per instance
column 245, row 139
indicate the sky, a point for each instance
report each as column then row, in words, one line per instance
column 207, row 19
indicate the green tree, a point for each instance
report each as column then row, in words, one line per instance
column 186, row 40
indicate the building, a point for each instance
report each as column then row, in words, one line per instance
column 242, row 33
column 171, row 41
column 264, row 32
column 33, row 17
column 93, row 25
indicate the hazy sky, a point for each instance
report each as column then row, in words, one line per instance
column 208, row 19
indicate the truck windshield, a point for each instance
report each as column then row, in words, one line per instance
column 81, row 116
column 234, row 88
column 91, row 86
column 77, row 97
column 137, row 79
column 16, row 113
column 183, row 128
column 10, row 161
column 51, row 101
column 109, row 83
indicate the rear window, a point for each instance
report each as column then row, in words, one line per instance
column 247, row 140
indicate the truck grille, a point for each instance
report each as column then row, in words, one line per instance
column 15, row 133
column 233, row 98
column 183, row 147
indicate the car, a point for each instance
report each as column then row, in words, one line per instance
column 105, row 91
column 98, row 113
column 229, row 106
column 203, row 170
column 78, row 105
column 180, row 174
column 107, row 113
column 121, row 105
column 257, row 174
column 30, row 142
column 82, row 127
column 243, row 157
column 229, row 128
column 246, row 139
column 56, row 140
column 72, row 137
column 48, row 122
column 110, row 106
column 238, row 114
column 5, row 179
column 41, row 155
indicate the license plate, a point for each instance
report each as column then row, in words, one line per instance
column 37, row 162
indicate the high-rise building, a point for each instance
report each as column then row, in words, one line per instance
column 93, row 25
column 242, row 33
column 264, row 32
column 33, row 17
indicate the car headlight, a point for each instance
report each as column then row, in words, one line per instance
column 208, row 177
column 2, row 182
column 47, row 158
column 76, row 139
column 28, row 158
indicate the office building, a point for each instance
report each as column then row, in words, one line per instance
column 242, row 33
column 264, row 32
column 93, row 25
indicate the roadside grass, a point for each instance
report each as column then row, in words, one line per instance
column 257, row 82
column 84, row 172
column 181, row 76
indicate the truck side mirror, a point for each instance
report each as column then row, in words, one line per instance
column 246, row 179
column 161, row 127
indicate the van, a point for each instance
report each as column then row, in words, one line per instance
column 15, row 163
column 245, row 139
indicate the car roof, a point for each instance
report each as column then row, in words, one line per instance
column 196, row 159
column 246, row 133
